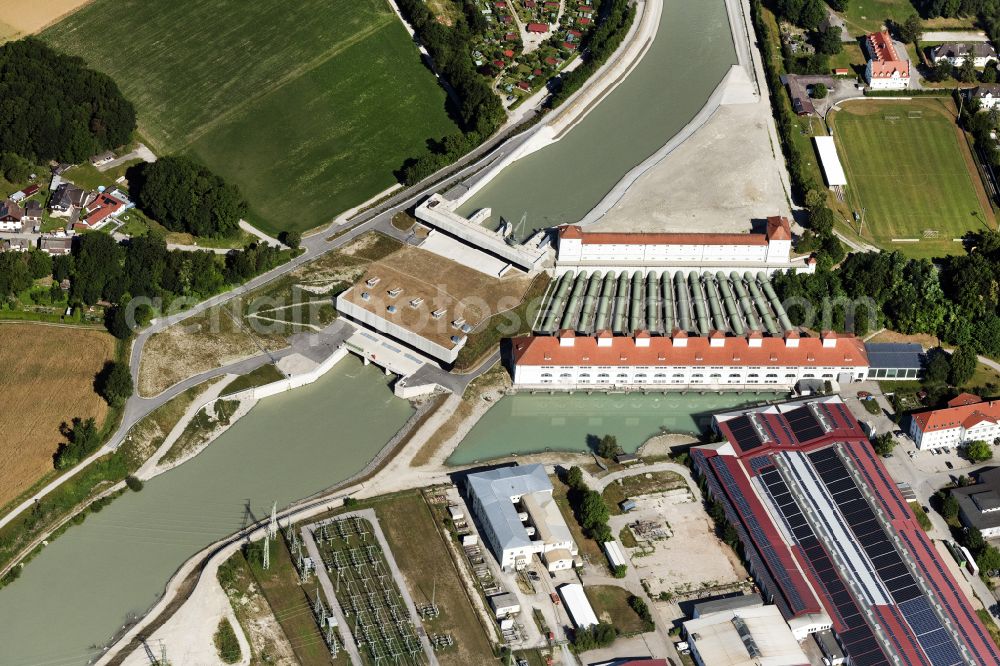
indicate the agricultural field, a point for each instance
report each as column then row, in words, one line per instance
column 909, row 166
column 318, row 100
column 19, row 18
column 47, row 379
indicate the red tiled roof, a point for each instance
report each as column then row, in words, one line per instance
column 551, row 61
column 103, row 207
column 524, row 85
column 881, row 46
column 778, row 228
column 509, row 53
column 537, row 27
column 953, row 417
column 546, row 350
column 615, row 238
column 583, row 20
column 510, row 37
column 964, row 399
column 569, row 45
column 885, row 61
column 498, row 63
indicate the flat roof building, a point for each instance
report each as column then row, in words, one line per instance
column 831, row 541
column 519, row 518
column 895, row 360
column 504, row 605
column 979, row 505
column 833, row 170
column 743, row 637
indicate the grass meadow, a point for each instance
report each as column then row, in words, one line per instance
column 909, row 166
column 307, row 105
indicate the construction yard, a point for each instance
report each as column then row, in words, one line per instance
column 910, row 170
column 47, row 379
column 678, row 555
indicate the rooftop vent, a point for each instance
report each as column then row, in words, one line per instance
column 457, row 323
column 395, row 291
column 437, row 314
column 391, row 309
column 365, row 296
column 372, row 281
column 415, row 302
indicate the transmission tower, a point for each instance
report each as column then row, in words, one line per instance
column 272, row 528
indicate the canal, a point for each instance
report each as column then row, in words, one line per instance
column 77, row 592
column 560, row 183
column 526, row 423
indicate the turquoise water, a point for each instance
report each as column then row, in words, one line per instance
column 77, row 592
column 526, row 423
column 691, row 54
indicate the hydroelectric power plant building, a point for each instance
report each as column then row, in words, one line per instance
column 831, row 541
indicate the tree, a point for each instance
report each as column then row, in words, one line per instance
column 812, row 15
column 134, row 483
column 15, row 168
column 941, row 71
column 938, row 368
column 963, row 366
column 989, row 73
column 978, row 451
column 82, row 439
column 949, row 506
column 97, row 273
column 819, row 91
column 988, row 560
column 182, row 195
column 608, row 447
column 828, row 41
column 967, row 71
column 114, row 383
column 291, row 238
column 574, row 477
column 884, row 444
column 910, row 29
column 593, row 510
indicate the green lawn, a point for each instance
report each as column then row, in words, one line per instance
column 308, row 105
column 913, row 175
column 868, row 15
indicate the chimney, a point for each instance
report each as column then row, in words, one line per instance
column 680, row 338
column 829, row 339
column 566, row 338
column 604, row 338
column 755, row 338
column 642, row 338
column 792, row 338
column 717, row 339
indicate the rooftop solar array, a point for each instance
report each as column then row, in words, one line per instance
column 895, row 355
column 804, row 424
column 744, row 432
column 937, row 643
column 858, row 640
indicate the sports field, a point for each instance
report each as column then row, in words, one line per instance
column 308, row 105
column 910, row 168
column 47, row 378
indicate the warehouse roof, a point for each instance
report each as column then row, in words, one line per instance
column 495, row 488
column 832, row 168
column 578, row 605
column 895, row 355
column 745, row 637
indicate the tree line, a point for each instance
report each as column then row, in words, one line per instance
column 53, row 107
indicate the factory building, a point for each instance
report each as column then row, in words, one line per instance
column 745, row 636
column 769, row 250
column 831, row 541
column 607, row 362
column 518, row 517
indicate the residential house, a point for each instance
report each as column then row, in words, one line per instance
column 885, row 70
column 32, row 213
column 21, row 195
column 957, row 53
column 966, row 418
column 67, row 197
column 979, row 505
column 987, row 95
column 55, row 245
column 11, row 215
column 15, row 245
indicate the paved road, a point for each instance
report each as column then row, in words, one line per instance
column 140, row 152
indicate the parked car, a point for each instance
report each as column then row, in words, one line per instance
column 555, row 598
column 947, row 463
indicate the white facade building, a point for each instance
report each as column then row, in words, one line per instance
column 596, row 250
column 744, row 637
column 607, row 362
column 966, row 419
column 956, row 53
column 885, row 69
column 988, row 96
column 518, row 517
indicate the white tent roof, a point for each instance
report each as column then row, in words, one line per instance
column 578, row 605
column 832, row 167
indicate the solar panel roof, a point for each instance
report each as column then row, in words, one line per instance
column 895, row 355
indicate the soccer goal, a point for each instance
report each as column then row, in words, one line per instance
column 891, row 118
column 931, row 233
column 914, row 114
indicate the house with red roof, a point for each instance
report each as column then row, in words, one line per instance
column 537, row 28
column 509, row 53
column 569, row 46
column 551, row 61
column 966, row 418
column 524, row 85
column 583, row 20
column 885, row 70
column 100, row 210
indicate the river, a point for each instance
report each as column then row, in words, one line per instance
column 76, row 592
column 560, row 183
column 526, row 423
